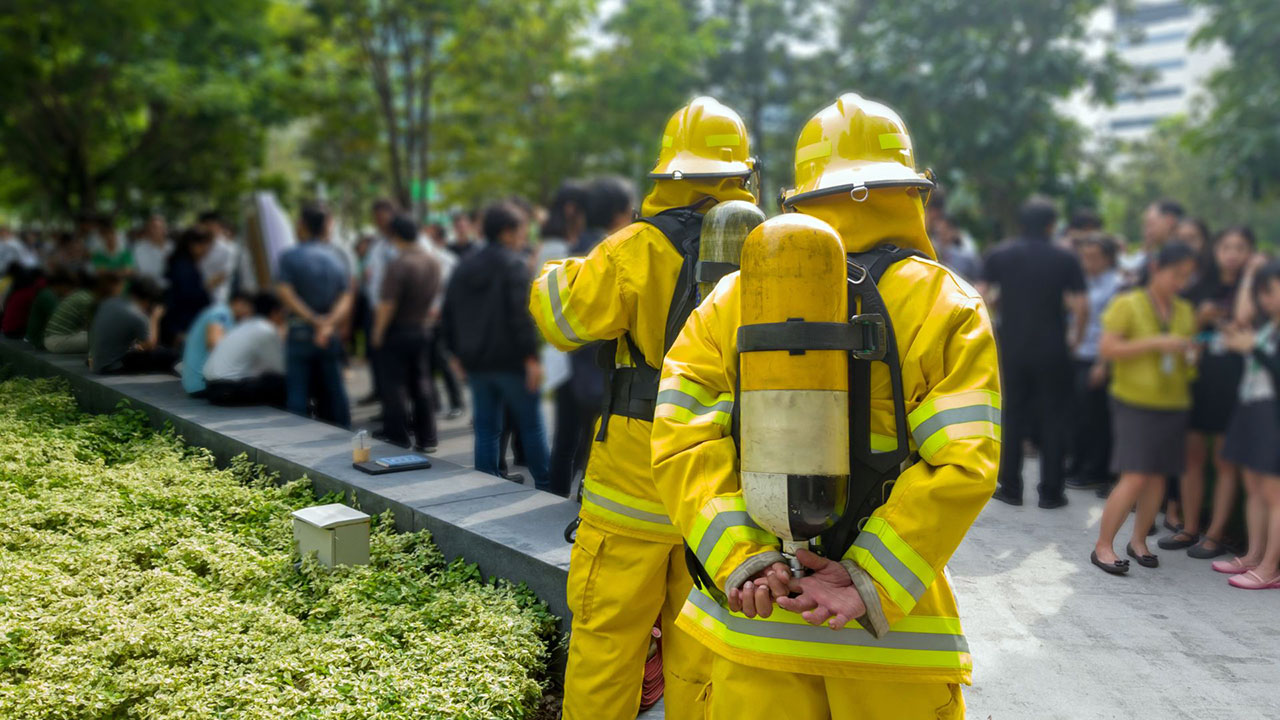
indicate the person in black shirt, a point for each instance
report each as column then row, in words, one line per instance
column 1033, row 284
column 487, row 325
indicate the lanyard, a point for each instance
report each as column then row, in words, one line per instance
column 1163, row 323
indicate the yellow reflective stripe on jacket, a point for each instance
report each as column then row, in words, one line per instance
column 929, row 642
column 690, row 403
column 722, row 523
column 953, row 417
column 618, row 507
column 556, row 312
column 891, row 562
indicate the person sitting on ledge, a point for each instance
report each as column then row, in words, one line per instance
column 68, row 328
column 124, row 339
column 247, row 366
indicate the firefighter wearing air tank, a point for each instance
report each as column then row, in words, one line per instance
column 634, row 290
column 870, row 627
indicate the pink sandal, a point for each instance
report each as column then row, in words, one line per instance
column 1251, row 580
column 1232, row 566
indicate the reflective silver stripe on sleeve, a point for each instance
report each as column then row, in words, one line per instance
column 557, row 310
column 716, row 528
column 691, row 403
column 896, row 568
column 954, row 416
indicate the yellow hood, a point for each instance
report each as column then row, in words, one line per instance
column 891, row 215
column 668, row 194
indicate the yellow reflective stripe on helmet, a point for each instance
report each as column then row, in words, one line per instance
column 687, row 402
column 813, row 152
column 891, row 562
column 894, row 141
column 561, row 318
column 953, row 417
column 930, row 642
column 722, row 523
column 620, row 508
column 728, row 140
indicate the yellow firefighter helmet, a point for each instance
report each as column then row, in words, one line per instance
column 853, row 146
column 704, row 139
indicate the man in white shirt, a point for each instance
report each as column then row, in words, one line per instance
column 247, row 366
column 151, row 252
column 219, row 265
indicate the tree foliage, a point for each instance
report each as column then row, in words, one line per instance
column 979, row 86
column 134, row 103
column 1242, row 132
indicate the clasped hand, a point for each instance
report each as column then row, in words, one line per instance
column 825, row 596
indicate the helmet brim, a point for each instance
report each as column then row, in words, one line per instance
column 871, row 176
column 691, row 166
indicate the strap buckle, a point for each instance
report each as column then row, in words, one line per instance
column 875, row 338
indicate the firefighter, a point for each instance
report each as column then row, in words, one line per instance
column 872, row 630
column 634, row 291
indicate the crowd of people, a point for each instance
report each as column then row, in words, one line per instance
column 1141, row 374
column 423, row 304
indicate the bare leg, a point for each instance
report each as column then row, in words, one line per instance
column 1270, row 565
column 1148, row 508
column 1224, row 494
column 1255, row 518
column 1119, row 503
column 1193, row 482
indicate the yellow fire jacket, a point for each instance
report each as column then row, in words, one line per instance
column 951, row 385
column 624, row 285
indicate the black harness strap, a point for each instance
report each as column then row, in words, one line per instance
column 869, row 337
column 632, row 391
column 871, row 473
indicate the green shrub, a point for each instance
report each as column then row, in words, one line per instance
column 137, row 580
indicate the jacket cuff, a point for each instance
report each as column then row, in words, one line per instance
column 751, row 566
column 873, row 620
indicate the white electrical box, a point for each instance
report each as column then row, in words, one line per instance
column 337, row 534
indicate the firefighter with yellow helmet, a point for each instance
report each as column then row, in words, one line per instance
column 821, row 557
column 634, row 291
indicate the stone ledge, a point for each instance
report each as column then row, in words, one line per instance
column 508, row 531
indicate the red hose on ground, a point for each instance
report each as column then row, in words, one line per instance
column 651, row 691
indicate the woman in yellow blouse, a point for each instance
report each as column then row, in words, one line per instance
column 1147, row 336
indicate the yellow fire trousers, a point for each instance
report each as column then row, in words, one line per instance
column 617, row 587
column 741, row 692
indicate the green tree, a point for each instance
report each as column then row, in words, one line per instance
column 1242, row 131
column 979, row 86
column 760, row 70
column 138, row 103
column 460, row 88
column 1170, row 163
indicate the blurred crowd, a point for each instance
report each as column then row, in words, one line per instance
column 1149, row 376
column 428, row 307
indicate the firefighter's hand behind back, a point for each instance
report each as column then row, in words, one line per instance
column 825, row 596
column 757, row 595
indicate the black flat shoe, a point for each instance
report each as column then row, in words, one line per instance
column 1119, row 567
column 1007, row 499
column 512, row 476
column 1178, row 541
column 1053, row 503
column 1146, row 561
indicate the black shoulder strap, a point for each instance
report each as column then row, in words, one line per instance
column 683, row 228
column 872, row 473
column 632, row 392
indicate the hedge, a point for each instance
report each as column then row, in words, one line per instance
column 138, row 580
